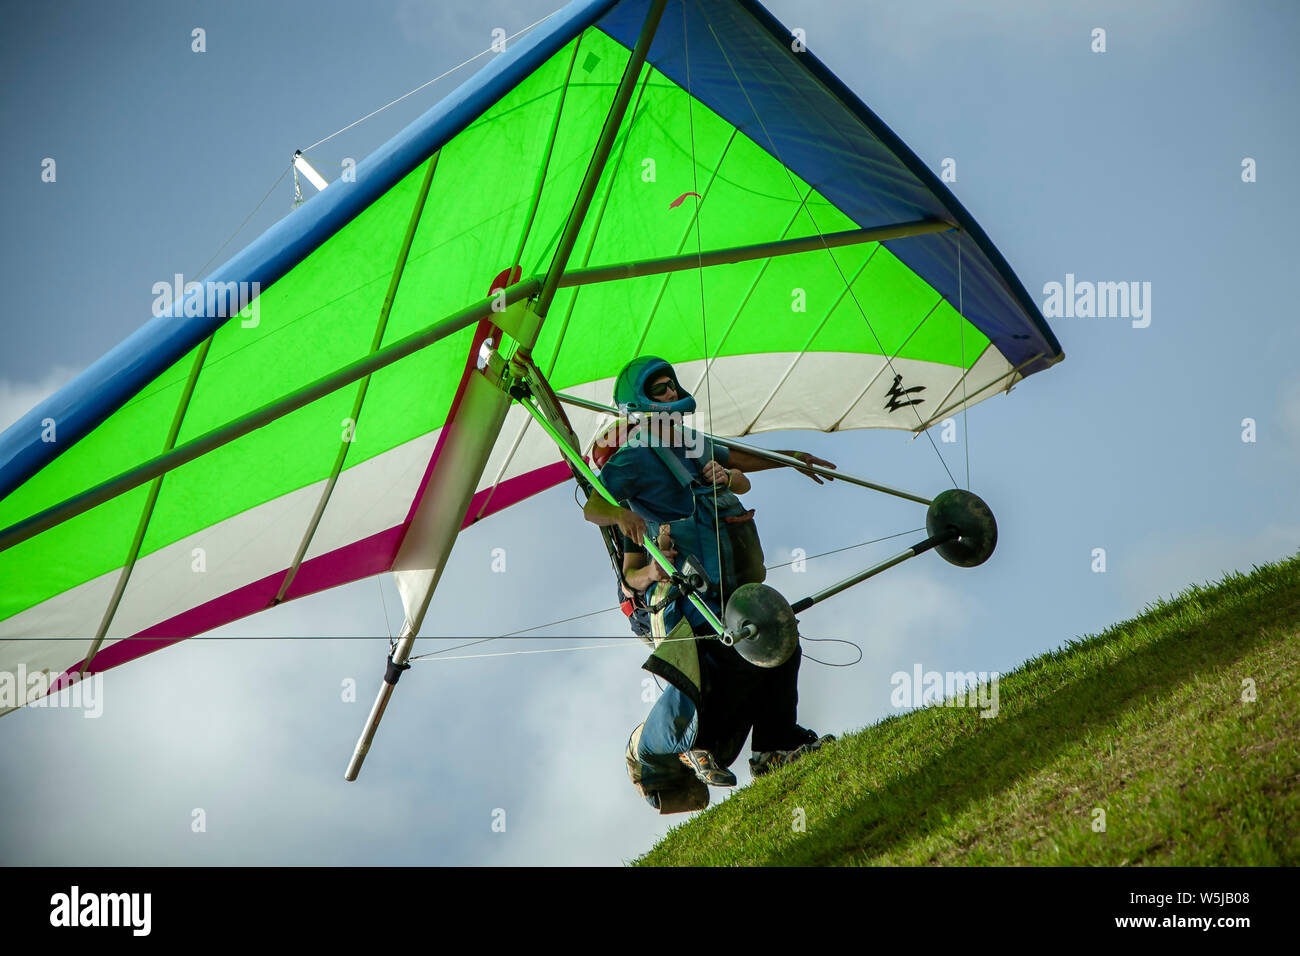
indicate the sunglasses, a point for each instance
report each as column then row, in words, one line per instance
column 658, row 391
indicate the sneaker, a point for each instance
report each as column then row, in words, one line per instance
column 707, row 769
column 764, row 761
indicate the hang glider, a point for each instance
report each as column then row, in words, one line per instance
column 675, row 177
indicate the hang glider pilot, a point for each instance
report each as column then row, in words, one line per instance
column 684, row 495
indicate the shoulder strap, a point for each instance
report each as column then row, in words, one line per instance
column 674, row 465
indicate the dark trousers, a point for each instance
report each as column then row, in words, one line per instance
column 737, row 696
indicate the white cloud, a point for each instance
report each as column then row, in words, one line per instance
column 908, row 615
column 1168, row 564
column 466, row 28
column 578, row 807
column 18, row 398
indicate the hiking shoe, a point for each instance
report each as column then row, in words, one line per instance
column 707, row 768
column 764, row 761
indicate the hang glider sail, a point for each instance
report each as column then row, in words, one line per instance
column 677, row 178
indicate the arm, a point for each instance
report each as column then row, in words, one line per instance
column 600, row 512
column 733, row 478
column 639, row 574
column 737, row 480
column 751, row 462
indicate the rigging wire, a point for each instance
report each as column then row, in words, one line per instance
column 447, row 650
column 704, row 320
column 850, row 547
column 811, row 218
column 545, row 650
column 429, row 83
column 623, row 644
column 259, row 205
column 379, row 580
column 961, row 328
column 502, row 637
column 606, row 610
column 290, row 167
column 832, row 640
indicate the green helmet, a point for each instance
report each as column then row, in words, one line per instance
column 630, row 387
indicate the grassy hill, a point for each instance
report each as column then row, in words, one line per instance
column 1146, row 722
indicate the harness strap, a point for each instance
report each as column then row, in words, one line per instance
column 674, row 465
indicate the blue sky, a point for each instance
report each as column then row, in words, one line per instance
column 1115, row 166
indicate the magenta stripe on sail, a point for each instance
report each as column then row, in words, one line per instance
column 513, row 490
column 358, row 560
column 361, row 559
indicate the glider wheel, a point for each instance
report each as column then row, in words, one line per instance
column 769, row 611
column 972, row 519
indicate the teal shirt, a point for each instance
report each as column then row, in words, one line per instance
column 635, row 475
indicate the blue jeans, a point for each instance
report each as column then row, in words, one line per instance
column 736, row 697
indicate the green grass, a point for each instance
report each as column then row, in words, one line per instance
column 1146, row 722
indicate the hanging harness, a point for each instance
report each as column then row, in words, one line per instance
column 721, row 544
